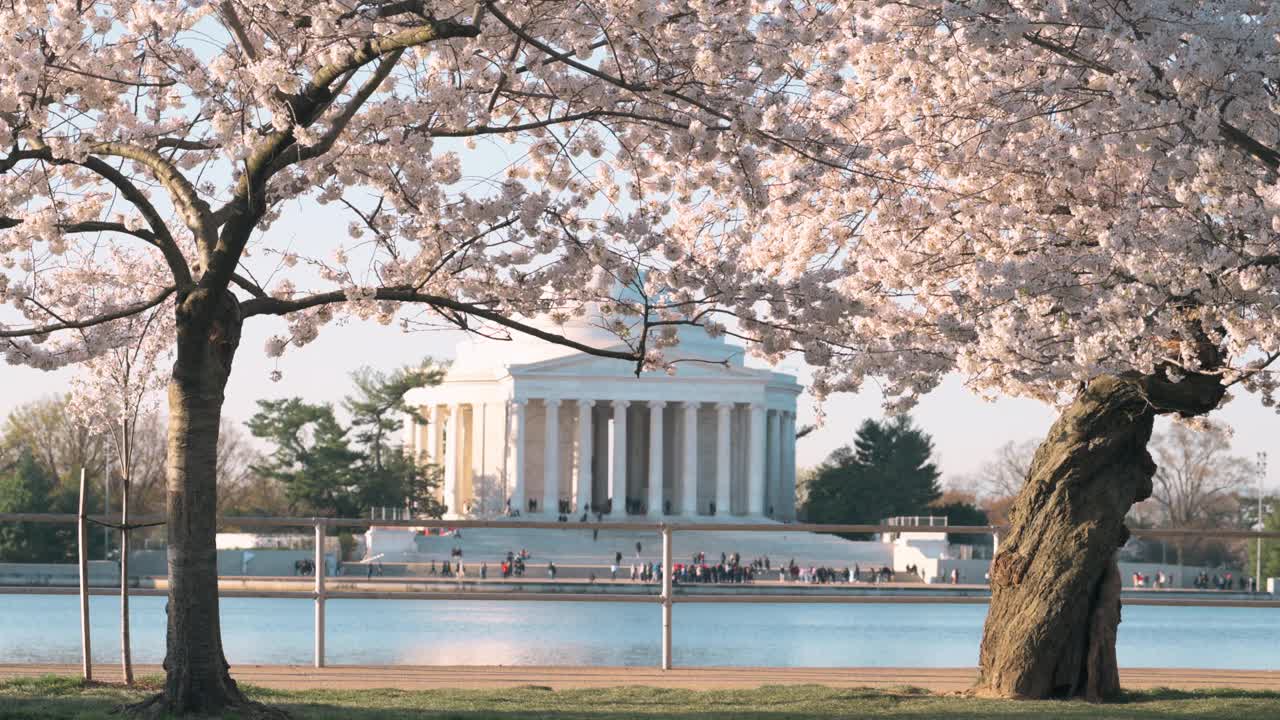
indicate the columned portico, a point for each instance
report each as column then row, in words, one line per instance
column 716, row 437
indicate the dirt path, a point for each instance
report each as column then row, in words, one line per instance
column 435, row 677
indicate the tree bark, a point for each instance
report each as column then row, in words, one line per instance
column 197, row 677
column 1055, row 604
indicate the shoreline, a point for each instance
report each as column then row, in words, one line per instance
column 418, row 677
column 566, row 589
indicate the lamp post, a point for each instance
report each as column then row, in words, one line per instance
column 1262, row 473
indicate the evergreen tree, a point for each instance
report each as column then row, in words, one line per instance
column 378, row 405
column 389, row 477
column 28, row 487
column 887, row 472
column 313, row 457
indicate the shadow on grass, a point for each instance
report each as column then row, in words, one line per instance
column 67, row 697
column 1174, row 694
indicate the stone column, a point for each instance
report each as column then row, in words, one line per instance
column 775, row 480
column 425, row 444
column 689, row 469
column 788, row 509
column 655, row 458
column 756, row 463
column 618, row 478
column 586, row 437
column 724, row 477
column 435, row 434
column 452, row 452
column 517, row 502
column 551, row 457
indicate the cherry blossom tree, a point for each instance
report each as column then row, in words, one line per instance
column 116, row 390
column 1074, row 202
column 151, row 148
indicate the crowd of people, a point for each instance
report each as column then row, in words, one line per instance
column 1204, row 581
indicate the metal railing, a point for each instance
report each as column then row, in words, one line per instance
column 666, row 595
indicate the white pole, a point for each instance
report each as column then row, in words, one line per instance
column 319, row 573
column 86, row 659
column 666, row 597
column 106, row 510
column 126, row 654
column 1262, row 471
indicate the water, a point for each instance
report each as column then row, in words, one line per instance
column 46, row 629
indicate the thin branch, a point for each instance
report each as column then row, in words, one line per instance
column 276, row 306
column 118, row 81
column 127, row 311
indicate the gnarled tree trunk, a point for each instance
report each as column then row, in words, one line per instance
column 197, row 677
column 1055, row 604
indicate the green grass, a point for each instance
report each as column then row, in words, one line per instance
column 67, row 697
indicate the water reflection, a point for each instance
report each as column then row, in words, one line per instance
column 45, row 629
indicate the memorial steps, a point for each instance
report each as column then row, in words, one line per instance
column 576, row 546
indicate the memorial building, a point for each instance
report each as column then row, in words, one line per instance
column 532, row 429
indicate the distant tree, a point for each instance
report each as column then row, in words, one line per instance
column 60, row 446
column 1270, row 548
column 27, row 487
column 378, row 404
column 403, row 482
column 313, row 458
column 888, row 471
column 1004, row 474
column 961, row 508
column 1195, row 486
column 1197, row 476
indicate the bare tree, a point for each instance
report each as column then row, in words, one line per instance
column 1003, row 475
column 1196, row 484
column 1197, row 477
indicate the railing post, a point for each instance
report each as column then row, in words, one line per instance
column 86, row 652
column 319, row 574
column 666, row 596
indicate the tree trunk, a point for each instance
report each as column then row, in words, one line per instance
column 1055, row 603
column 197, row 677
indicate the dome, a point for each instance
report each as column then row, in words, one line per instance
column 489, row 357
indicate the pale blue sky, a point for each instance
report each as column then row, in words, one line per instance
column 966, row 430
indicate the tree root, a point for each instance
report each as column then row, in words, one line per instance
column 158, row 706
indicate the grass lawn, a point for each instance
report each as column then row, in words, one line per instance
column 67, row 697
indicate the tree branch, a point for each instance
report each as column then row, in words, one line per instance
column 244, row 210
column 276, row 306
column 161, row 238
column 340, row 123
column 127, row 311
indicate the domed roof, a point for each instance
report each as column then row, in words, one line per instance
column 490, row 357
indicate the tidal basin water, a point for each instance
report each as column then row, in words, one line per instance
column 46, row 629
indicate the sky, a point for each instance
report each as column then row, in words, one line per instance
column 967, row 431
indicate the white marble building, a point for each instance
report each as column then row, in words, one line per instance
column 717, row 438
